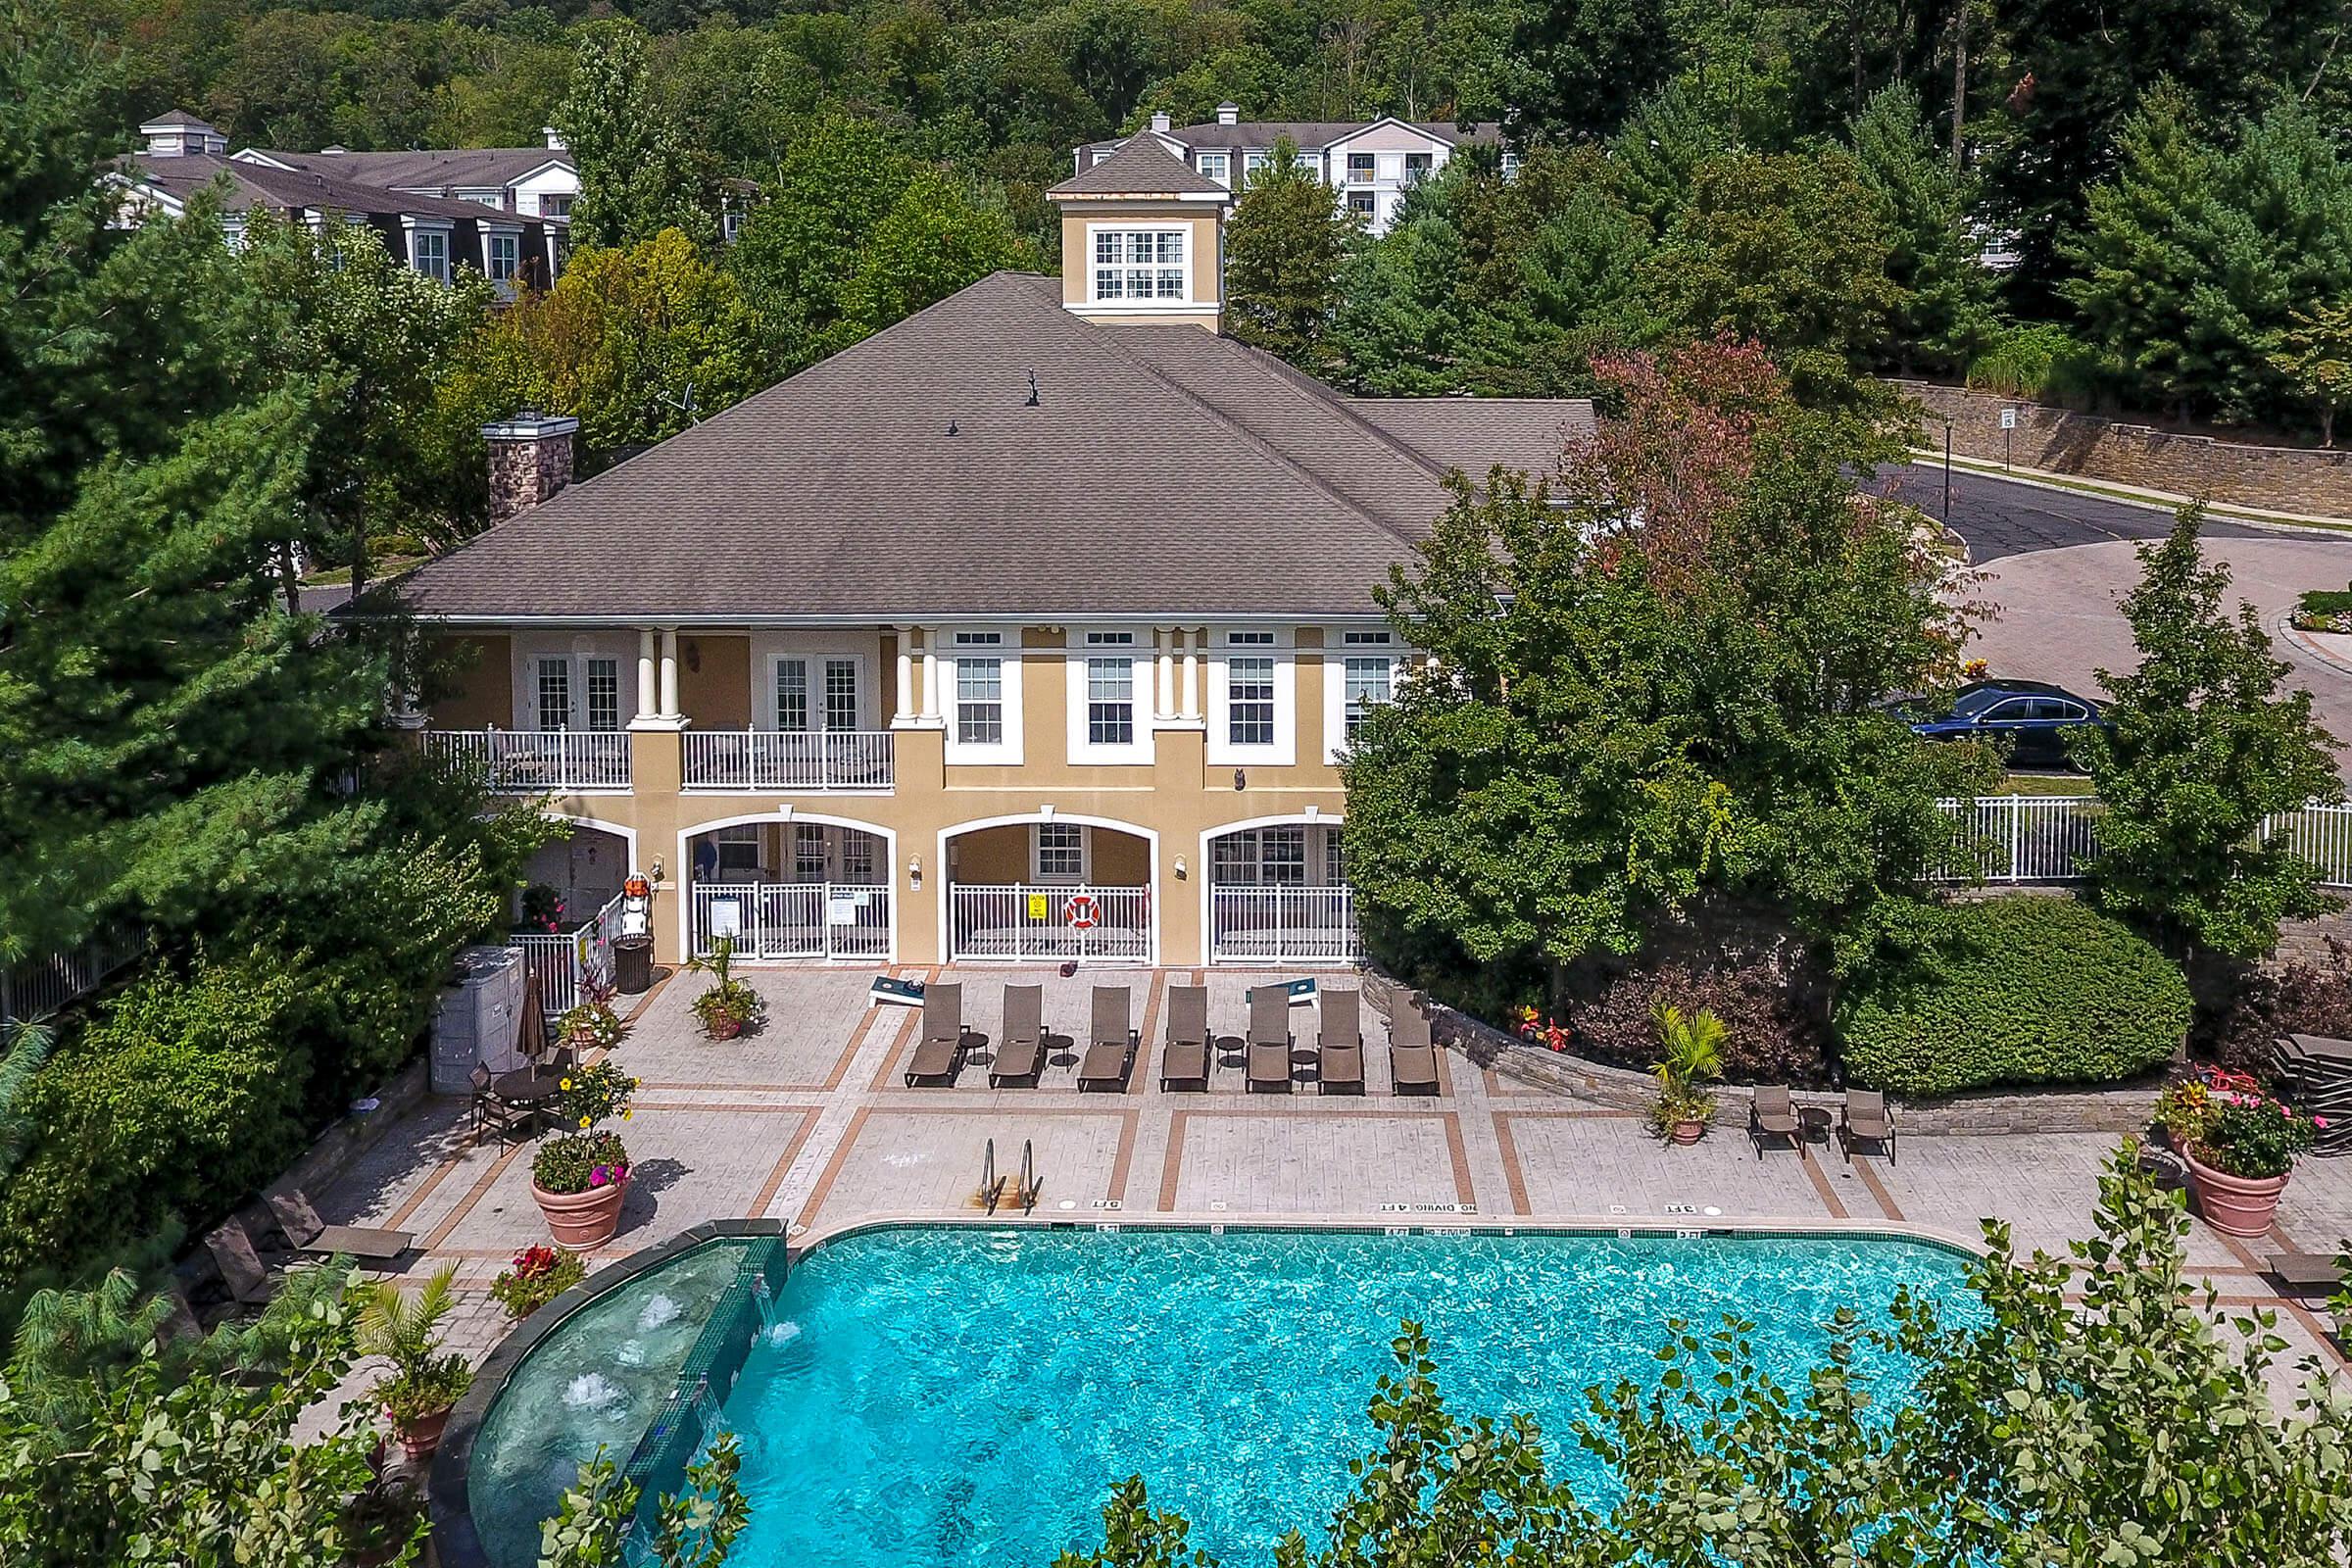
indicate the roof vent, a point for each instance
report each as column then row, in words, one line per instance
column 952, row 430
column 1229, row 114
column 1159, row 120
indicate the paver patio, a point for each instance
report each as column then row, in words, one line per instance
column 808, row 1122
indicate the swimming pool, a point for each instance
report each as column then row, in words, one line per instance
column 944, row 1397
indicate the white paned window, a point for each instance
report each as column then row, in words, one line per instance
column 737, row 848
column 1110, row 690
column 1335, row 858
column 428, row 252
column 1259, row 857
column 1250, row 699
column 1363, row 203
column 792, row 694
column 1142, row 264
column 1251, row 163
column 1361, row 165
column 1253, row 689
column 1416, row 168
column 841, row 694
column 1057, row 852
column 808, row 851
column 504, row 252
column 979, row 691
column 604, row 693
column 1367, row 681
column 858, row 858
column 1217, row 167
column 554, row 693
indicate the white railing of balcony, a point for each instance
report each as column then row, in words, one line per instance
column 1021, row 920
column 531, row 761
column 793, row 919
column 762, row 759
column 1282, row 925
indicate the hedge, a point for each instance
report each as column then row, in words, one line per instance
column 2024, row 990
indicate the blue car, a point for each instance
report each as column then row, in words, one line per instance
column 2032, row 717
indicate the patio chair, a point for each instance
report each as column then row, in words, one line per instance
column 1021, row 1053
column 1865, row 1119
column 939, row 1057
column 1110, row 1043
column 489, row 1110
column 1774, row 1115
column 249, row 1284
column 1184, row 1060
column 305, row 1233
column 1269, row 1041
column 1340, row 1043
column 1413, row 1057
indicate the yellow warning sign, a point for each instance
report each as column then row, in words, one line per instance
column 1037, row 906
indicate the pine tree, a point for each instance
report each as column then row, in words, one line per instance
column 1946, row 313
column 1401, row 324
column 1587, row 63
column 1283, row 250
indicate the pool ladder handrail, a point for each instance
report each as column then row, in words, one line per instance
column 1025, row 1188
column 992, row 1185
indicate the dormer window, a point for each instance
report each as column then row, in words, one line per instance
column 502, row 253
column 429, row 246
column 1217, row 167
column 1140, row 263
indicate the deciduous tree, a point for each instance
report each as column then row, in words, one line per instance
column 1283, row 250
column 639, row 171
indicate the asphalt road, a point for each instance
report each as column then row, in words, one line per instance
column 1996, row 518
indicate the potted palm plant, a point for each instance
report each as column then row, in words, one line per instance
column 1691, row 1054
column 424, row 1382
column 730, row 1005
column 579, row 1175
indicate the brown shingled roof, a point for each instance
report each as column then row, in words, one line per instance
column 1142, row 167
column 427, row 168
column 1163, row 470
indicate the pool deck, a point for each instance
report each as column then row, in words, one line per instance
column 809, row 1122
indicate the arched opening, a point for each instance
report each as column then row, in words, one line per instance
column 1051, row 887
column 790, row 887
column 571, row 878
column 1277, row 893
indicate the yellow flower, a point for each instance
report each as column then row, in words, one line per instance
column 626, row 1114
column 583, row 1121
column 566, row 1083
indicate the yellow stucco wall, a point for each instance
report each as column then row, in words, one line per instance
column 717, row 695
column 481, row 678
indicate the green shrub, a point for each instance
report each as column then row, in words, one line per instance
column 2015, row 991
column 2040, row 362
column 180, row 1097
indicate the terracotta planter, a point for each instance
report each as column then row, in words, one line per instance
column 582, row 1221
column 722, row 1027
column 420, row 1436
column 2234, row 1205
column 1686, row 1133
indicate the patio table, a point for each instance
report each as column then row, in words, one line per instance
column 529, row 1088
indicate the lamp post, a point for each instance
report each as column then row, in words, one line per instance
column 1947, row 473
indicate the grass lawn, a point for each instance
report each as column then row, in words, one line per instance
column 2045, row 784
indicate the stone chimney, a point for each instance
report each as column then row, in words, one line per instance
column 1159, row 120
column 530, row 459
column 1229, row 114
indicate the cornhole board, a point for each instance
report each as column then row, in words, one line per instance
column 1302, row 993
column 886, row 992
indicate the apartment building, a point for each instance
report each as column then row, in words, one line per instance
column 1032, row 627
column 1369, row 164
column 499, row 211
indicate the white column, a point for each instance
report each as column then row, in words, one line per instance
column 904, row 708
column 645, row 673
column 1191, row 674
column 669, row 673
column 933, row 674
column 1163, row 674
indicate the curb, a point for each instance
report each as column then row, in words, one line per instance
column 2300, row 641
column 2123, row 495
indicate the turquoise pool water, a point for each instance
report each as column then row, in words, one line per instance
column 936, row 1399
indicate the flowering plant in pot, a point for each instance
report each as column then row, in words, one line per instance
column 1693, row 1055
column 578, row 1176
column 2239, row 1144
column 592, row 1022
column 537, row 1276
column 423, row 1383
column 730, row 1005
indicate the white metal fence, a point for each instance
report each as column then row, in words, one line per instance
column 1019, row 920
column 1282, row 925
column 560, row 960
column 530, row 762
column 38, row 987
column 793, row 919
column 788, row 759
column 2051, row 838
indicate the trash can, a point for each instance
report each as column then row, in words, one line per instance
column 633, row 965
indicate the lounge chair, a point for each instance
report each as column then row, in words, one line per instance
column 939, row 1057
column 491, row 1111
column 249, row 1284
column 1110, row 1043
column 1773, row 1115
column 1865, row 1119
column 1340, row 1043
column 305, row 1232
column 1184, row 1058
column 1021, row 1051
column 1412, row 1059
column 2304, row 1273
column 1269, row 1040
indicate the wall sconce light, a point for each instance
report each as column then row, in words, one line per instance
column 1180, row 868
column 1240, row 779
column 660, row 870
column 915, row 871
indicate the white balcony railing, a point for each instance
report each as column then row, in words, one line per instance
column 793, row 919
column 1024, row 920
column 531, row 761
column 762, row 759
column 1282, row 925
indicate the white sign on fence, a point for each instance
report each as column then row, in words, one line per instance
column 2008, row 419
column 727, row 917
column 840, row 908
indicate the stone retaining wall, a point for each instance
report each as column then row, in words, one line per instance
column 2301, row 480
column 335, row 1149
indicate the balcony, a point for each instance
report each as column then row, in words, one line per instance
column 842, row 762
column 529, row 761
